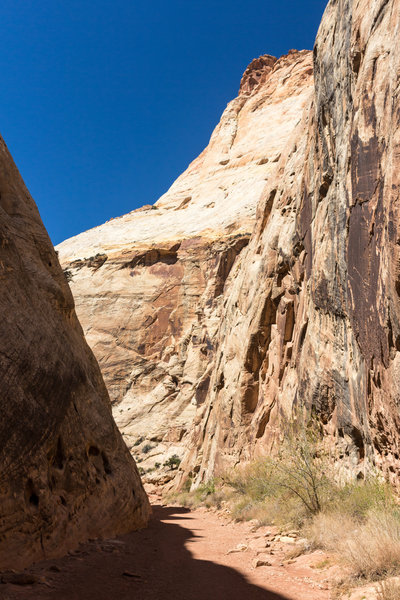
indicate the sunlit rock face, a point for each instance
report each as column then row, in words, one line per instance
column 267, row 278
column 151, row 288
column 65, row 472
column 313, row 314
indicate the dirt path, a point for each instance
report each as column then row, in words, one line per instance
column 182, row 555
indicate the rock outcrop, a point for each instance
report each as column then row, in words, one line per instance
column 209, row 336
column 151, row 287
column 65, row 472
column 312, row 318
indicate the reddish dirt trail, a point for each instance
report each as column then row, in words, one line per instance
column 182, row 555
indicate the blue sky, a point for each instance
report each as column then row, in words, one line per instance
column 104, row 103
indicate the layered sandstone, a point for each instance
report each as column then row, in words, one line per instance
column 215, row 323
column 312, row 318
column 150, row 287
column 65, row 473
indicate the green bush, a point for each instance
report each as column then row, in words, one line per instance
column 146, row 448
column 357, row 499
column 173, row 462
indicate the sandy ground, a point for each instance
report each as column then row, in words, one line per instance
column 182, row 555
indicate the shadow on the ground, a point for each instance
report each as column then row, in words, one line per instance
column 152, row 564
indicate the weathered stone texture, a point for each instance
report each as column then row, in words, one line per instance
column 65, row 473
column 300, row 310
column 152, row 300
column 313, row 316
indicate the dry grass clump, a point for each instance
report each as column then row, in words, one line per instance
column 206, row 495
column 369, row 549
column 388, row 590
column 328, row 530
column 266, row 511
column 373, row 550
column 362, row 526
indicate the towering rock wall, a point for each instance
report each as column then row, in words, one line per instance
column 150, row 287
column 237, row 330
column 65, row 473
column 313, row 315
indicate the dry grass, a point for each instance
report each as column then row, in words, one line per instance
column 373, row 549
column 328, row 530
column 369, row 549
column 206, row 495
column 265, row 512
column 388, row 590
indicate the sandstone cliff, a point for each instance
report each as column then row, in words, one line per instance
column 208, row 336
column 313, row 315
column 65, row 473
column 151, row 287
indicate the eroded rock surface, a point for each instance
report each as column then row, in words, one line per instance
column 151, row 287
column 65, row 473
column 213, row 322
column 312, row 317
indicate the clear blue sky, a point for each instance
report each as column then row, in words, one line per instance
column 104, row 103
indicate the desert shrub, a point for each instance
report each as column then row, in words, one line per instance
column 358, row 498
column 68, row 275
column 303, row 468
column 206, row 494
column 173, row 462
column 146, row 448
column 290, row 487
column 157, row 465
column 205, row 490
column 187, row 484
column 138, row 441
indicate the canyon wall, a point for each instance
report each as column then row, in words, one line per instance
column 150, row 286
column 65, row 472
column 279, row 285
column 313, row 316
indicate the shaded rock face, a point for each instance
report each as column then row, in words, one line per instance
column 151, row 287
column 65, row 473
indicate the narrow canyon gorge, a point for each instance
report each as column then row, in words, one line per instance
column 151, row 287
column 263, row 285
